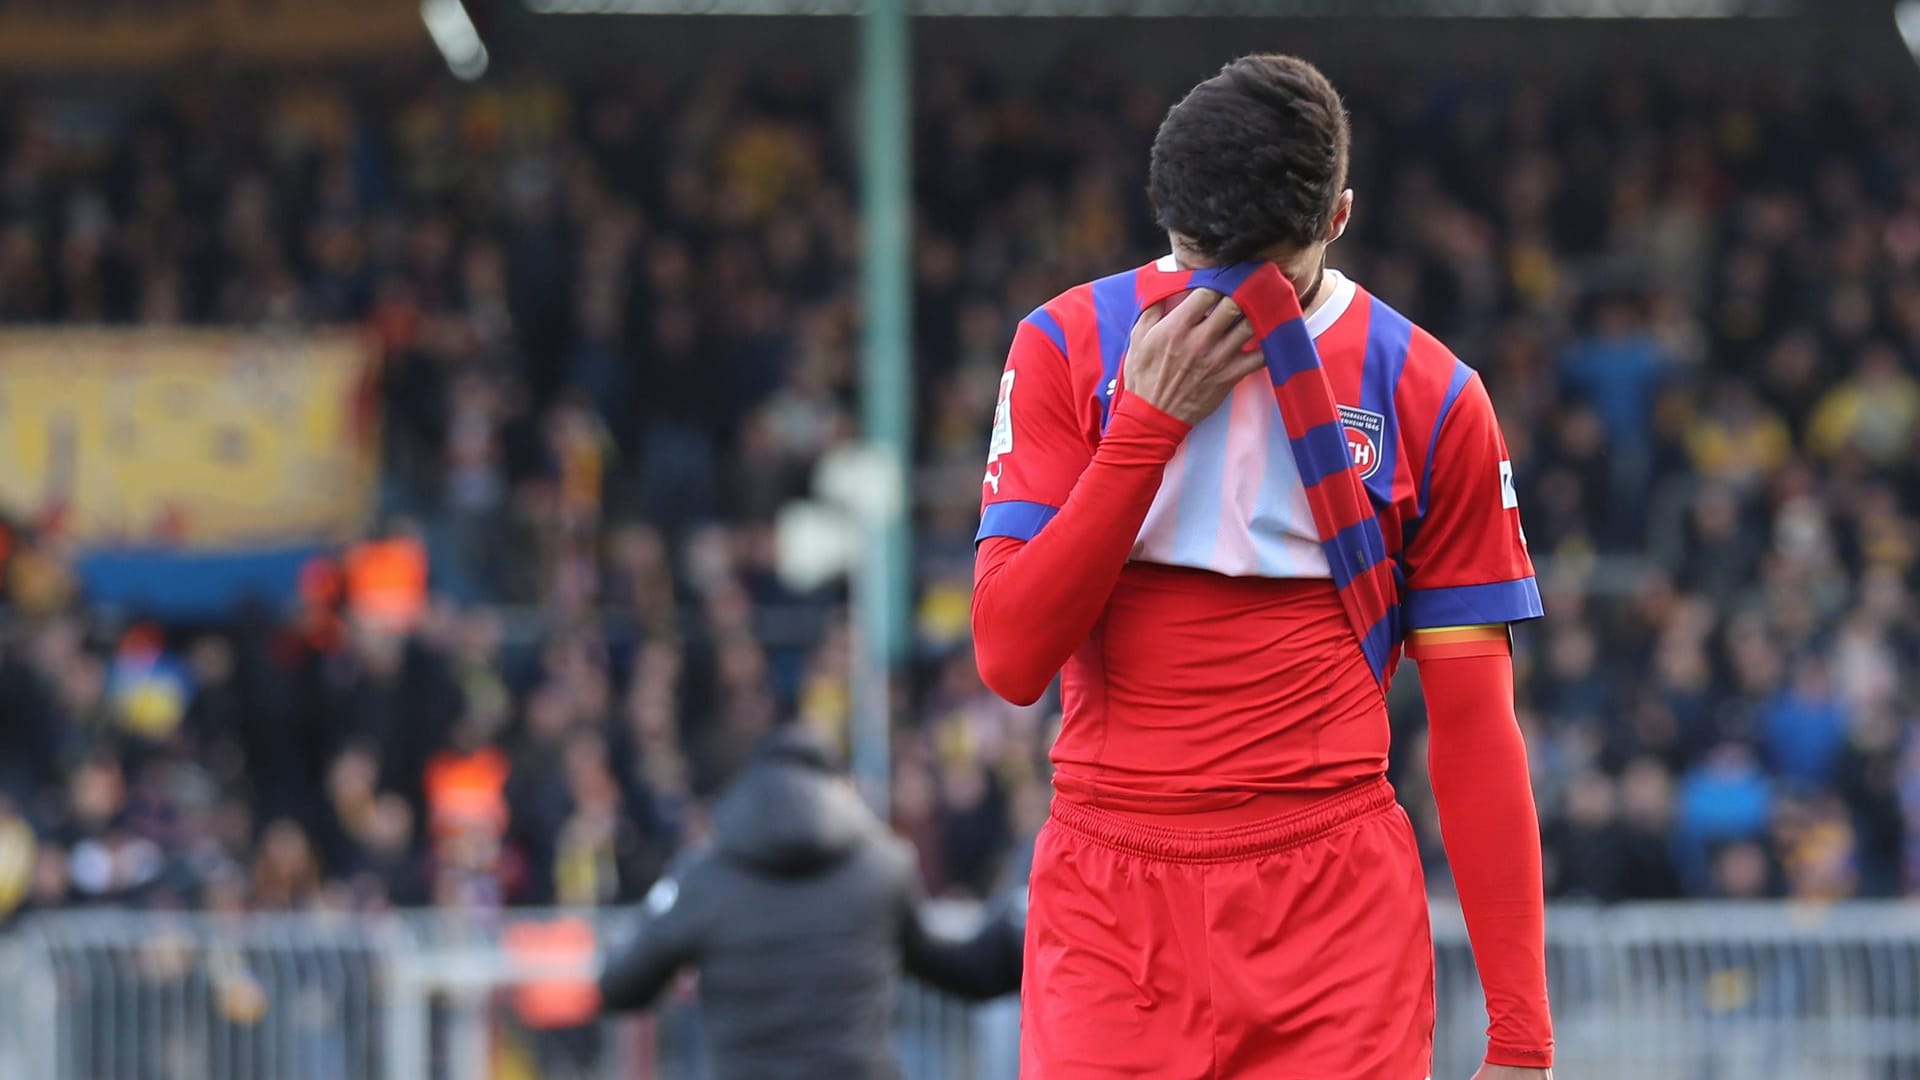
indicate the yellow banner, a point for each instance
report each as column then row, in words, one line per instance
column 198, row 438
column 61, row 34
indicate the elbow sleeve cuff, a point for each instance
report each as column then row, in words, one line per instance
column 1474, row 605
column 1014, row 518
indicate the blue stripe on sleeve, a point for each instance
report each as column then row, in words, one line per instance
column 1461, row 373
column 1116, row 307
column 1474, row 605
column 1017, row 518
column 1043, row 321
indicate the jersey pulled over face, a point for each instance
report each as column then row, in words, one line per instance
column 1229, row 617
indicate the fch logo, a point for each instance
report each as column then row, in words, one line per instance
column 1366, row 435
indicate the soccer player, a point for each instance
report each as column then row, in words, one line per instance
column 1224, row 492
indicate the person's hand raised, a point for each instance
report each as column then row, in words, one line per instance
column 1186, row 361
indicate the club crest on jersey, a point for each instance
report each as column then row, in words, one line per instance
column 1366, row 436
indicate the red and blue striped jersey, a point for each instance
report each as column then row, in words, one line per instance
column 1365, row 452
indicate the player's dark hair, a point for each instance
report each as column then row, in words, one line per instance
column 1253, row 158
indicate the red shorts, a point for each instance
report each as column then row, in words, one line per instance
column 1290, row 949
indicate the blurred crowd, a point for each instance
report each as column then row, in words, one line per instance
column 618, row 325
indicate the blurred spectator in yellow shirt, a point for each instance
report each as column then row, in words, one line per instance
column 1737, row 439
column 1871, row 413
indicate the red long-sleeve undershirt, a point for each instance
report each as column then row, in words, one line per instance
column 1034, row 602
column 1477, row 762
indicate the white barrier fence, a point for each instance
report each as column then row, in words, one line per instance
column 1666, row 992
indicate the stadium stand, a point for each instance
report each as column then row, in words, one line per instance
column 617, row 324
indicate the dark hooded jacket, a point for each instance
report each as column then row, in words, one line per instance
column 798, row 920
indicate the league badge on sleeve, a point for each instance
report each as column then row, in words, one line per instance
column 1366, row 435
column 1509, row 497
column 1002, row 442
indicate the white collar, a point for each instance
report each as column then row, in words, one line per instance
column 1323, row 317
column 1337, row 300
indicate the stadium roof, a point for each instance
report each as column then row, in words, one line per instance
column 1597, row 9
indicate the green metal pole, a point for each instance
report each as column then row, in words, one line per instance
column 886, row 385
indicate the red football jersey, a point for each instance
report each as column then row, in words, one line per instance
column 1229, row 658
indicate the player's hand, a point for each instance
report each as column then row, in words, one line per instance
column 1511, row 1072
column 1186, row 361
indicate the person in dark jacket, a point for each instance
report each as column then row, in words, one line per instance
column 798, row 921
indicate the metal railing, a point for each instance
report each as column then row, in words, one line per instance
column 109, row 995
column 1661, row 992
